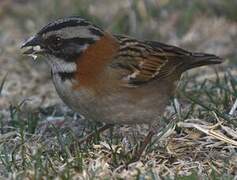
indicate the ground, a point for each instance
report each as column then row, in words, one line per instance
column 39, row 133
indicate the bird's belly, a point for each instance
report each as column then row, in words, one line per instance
column 114, row 107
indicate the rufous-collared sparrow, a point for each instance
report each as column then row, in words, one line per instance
column 114, row 79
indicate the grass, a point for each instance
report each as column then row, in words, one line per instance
column 2, row 83
column 218, row 98
column 41, row 142
column 55, row 153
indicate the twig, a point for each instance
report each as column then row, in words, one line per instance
column 209, row 132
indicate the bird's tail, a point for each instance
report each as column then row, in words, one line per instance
column 201, row 59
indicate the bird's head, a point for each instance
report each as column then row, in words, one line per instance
column 63, row 40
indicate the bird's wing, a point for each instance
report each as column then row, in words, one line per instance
column 147, row 60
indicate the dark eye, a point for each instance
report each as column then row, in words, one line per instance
column 58, row 39
column 54, row 42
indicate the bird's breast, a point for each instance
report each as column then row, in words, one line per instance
column 93, row 61
column 120, row 105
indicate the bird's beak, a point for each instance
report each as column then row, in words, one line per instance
column 32, row 47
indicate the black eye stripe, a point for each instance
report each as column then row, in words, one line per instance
column 80, row 41
column 77, row 43
column 53, row 39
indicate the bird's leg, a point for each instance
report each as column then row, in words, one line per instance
column 143, row 145
column 155, row 127
column 92, row 134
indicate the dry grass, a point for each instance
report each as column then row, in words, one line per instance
column 38, row 133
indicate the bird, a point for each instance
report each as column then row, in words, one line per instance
column 109, row 78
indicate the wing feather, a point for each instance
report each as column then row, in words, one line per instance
column 148, row 60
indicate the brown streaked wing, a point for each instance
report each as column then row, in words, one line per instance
column 144, row 61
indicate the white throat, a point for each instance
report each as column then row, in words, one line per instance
column 60, row 66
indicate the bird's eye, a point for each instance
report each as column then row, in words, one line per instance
column 58, row 39
column 54, row 42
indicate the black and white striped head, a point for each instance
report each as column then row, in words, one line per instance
column 64, row 39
